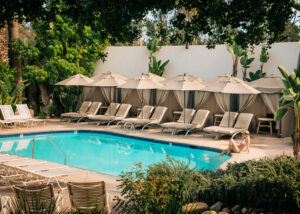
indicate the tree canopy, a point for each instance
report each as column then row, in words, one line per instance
column 247, row 22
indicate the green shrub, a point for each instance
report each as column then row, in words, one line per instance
column 268, row 184
column 162, row 188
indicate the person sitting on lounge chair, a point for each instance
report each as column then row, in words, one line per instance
column 235, row 148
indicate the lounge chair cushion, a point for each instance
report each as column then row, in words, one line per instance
column 158, row 114
column 93, row 110
column 146, row 112
column 187, row 115
column 112, row 109
column 243, row 121
column 224, row 121
column 101, row 117
column 123, row 110
column 83, row 109
column 176, row 125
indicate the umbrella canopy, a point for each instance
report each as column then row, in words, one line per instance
column 270, row 85
column 229, row 85
column 183, row 82
column 76, row 80
column 152, row 76
column 142, row 82
column 103, row 75
column 107, row 80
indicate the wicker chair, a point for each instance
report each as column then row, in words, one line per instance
column 88, row 196
column 37, row 198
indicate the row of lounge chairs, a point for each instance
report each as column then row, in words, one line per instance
column 37, row 195
column 31, row 179
column 24, row 117
column 189, row 121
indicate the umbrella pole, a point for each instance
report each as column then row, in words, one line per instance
column 142, row 103
column 110, row 97
column 229, row 110
column 183, row 106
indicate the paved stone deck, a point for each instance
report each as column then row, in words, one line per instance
column 261, row 146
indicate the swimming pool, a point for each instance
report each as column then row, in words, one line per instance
column 106, row 152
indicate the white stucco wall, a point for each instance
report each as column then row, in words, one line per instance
column 197, row 60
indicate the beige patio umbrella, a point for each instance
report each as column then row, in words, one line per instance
column 114, row 75
column 270, row 85
column 152, row 76
column 76, row 80
column 229, row 85
column 142, row 82
column 107, row 80
column 183, row 82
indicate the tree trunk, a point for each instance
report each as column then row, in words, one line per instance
column 150, row 61
column 297, row 128
column 245, row 74
column 13, row 34
column 4, row 44
column 235, row 66
column 261, row 70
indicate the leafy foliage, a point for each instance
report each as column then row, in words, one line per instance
column 245, row 62
column 163, row 188
column 291, row 99
column 9, row 94
column 272, row 185
column 24, row 206
column 269, row 184
column 255, row 76
column 156, row 67
column 236, row 51
column 62, row 48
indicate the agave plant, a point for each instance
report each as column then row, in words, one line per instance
column 158, row 68
column 245, row 62
column 291, row 99
column 10, row 94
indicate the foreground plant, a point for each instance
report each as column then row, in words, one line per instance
column 163, row 188
column 270, row 185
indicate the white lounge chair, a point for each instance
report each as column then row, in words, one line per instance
column 144, row 114
column 9, row 115
column 198, row 122
column 83, row 109
column 25, row 114
column 93, row 110
column 120, row 115
column 154, row 120
column 242, row 123
column 185, row 118
column 223, row 123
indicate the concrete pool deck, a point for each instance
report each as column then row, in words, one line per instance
column 261, row 146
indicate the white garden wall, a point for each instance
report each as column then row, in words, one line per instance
column 197, row 60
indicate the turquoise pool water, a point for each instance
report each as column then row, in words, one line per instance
column 106, row 152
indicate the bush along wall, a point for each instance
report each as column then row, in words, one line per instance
column 270, row 185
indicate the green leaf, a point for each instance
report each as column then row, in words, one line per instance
column 284, row 72
column 280, row 113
